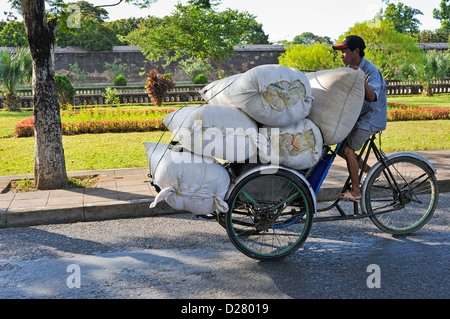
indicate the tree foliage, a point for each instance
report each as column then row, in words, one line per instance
column 443, row 14
column 386, row 48
column 13, row 35
column 310, row 38
column 198, row 31
column 310, row 57
column 15, row 68
column 431, row 66
column 402, row 17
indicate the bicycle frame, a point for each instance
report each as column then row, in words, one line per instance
column 317, row 174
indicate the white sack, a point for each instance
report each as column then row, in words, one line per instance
column 338, row 99
column 188, row 182
column 216, row 131
column 298, row 146
column 273, row 95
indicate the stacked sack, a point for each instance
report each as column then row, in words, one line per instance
column 188, row 182
column 338, row 99
column 268, row 111
column 218, row 131
column 278, row 99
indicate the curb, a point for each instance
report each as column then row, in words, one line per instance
column 135, row 208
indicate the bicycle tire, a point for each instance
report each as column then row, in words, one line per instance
column 270, row 215
column 406, row 209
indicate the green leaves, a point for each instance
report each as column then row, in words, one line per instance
column 199, row 31
column 310, row 57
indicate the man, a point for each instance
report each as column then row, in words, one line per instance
column 373, row 114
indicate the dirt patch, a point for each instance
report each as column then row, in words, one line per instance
column 27, row 185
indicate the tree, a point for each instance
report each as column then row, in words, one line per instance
column 433, row 36
column 402, row 17
column 92, row 34
column 443, row 14
column 50, row 169
column 310, row 38
column 123, row 27
column 13, row 35
column 432, row 65
column 386, row 48
column 15, row 67
column 198, row 31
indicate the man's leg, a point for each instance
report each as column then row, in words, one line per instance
column 353, row 170
column 354, row 141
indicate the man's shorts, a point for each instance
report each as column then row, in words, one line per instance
column 357, row 137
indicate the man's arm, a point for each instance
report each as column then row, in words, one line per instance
column 369, row 94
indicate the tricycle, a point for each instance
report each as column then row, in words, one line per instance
column 272, row 207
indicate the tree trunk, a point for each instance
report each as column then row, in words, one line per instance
column 12, row 102
column 426, row 86
column 50, row 166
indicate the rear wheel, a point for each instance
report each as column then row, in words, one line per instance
column 270, row 215
column 407, row 208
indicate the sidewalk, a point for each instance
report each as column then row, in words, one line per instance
column 127, row 193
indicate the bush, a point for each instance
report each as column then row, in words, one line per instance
column 120, row 81
column 157, row 86
column 314, row 57
column 64, row 90
column 26, row 127
column 201, row 79
column 111, row 96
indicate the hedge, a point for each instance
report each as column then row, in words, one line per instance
column 401, row 112
column 26, row 127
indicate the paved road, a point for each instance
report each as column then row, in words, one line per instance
column 185, row 257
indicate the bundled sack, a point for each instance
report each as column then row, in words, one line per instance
column 216, row 131
column 298, row 146
column 188, row 182
column 273, row 95
column 338, row 99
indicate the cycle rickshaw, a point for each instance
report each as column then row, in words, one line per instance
column 272, row 208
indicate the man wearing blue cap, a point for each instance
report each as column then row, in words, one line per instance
column 373, row 114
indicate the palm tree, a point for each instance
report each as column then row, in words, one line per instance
column 15, row 68
column 433, row 66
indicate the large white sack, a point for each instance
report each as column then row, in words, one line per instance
column 216, row 131
column 338, row 99
column 187, row 181
column 273, row 95
column 298, row 146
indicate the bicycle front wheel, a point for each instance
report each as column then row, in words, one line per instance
column 403, row 196
column 270, row 216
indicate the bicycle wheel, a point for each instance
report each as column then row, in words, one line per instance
column 270, row 215
column 403, row 196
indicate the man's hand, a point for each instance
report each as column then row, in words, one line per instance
column 369, row 93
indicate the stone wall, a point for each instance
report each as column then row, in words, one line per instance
column 92, row 63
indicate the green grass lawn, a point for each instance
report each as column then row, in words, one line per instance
column 123, row 150
column 437, row 100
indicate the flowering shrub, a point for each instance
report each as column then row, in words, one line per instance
column 89, row 115
column 25, row 128
column 117, row 126
column 102, row 121
column 121, row 121
column 401, row 112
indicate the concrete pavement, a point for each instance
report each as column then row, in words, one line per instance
column 127, row 193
